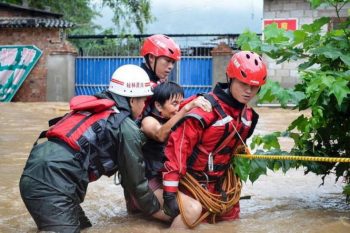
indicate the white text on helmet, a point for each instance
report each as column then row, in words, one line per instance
column 254, row 82
column 137, row 85
column 161, row 44
column 236, row 63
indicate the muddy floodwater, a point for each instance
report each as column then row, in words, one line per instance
column 290, row 202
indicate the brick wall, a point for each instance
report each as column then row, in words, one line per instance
column 48, row 41
column 286, row 73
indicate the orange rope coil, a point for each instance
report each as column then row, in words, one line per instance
column 212, row 203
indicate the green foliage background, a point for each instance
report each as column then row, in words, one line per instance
column 324, row 89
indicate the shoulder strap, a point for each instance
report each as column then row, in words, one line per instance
column 222, row 114
column 203, row 123
column 218, row 147
column 121, row 116
column 215, row 105
column 223, row 141
column 51, row 122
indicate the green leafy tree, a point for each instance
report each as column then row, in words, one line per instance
column 130, row 12
column 80, row 12
column 324, row 90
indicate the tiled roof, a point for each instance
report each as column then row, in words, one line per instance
column 34, row 23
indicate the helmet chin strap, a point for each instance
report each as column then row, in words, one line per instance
column 149, row 64
column 155, row 67
column 229, row 81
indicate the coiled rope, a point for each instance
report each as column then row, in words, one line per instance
column 295, row 157
column 212, row 203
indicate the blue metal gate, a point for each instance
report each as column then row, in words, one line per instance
column 92, row 74
column 195, row 75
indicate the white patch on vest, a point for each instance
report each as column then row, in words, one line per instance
column 170, row 183
column 115, row 109
column 223, row 121
column 246, row 122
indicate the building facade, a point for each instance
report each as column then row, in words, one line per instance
column 298, row 11
column 20, row 25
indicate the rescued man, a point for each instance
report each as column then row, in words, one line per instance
column 164, row 113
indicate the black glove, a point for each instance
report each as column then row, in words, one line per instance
column 170, row 206
column 83, row 220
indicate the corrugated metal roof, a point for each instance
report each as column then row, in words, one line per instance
column 34, row 23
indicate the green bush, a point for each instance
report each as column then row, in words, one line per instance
column 323, row 89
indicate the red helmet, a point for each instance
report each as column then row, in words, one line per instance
column 247, row 67
column 161, row 45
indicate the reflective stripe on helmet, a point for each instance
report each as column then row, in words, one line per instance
column 130, row 81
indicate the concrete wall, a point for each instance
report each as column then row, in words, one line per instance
column 286, row 73
column 221, row 55
column 60, row 77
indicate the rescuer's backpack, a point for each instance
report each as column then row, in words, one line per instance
column 83, row 131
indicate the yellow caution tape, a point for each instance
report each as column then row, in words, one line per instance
column 294, row 157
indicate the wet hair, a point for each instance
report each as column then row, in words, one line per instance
column 165, row 91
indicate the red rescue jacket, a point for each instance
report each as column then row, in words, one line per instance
column 200, row 133
column 84, row 131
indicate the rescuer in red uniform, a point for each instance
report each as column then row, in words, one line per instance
column 198, row 144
